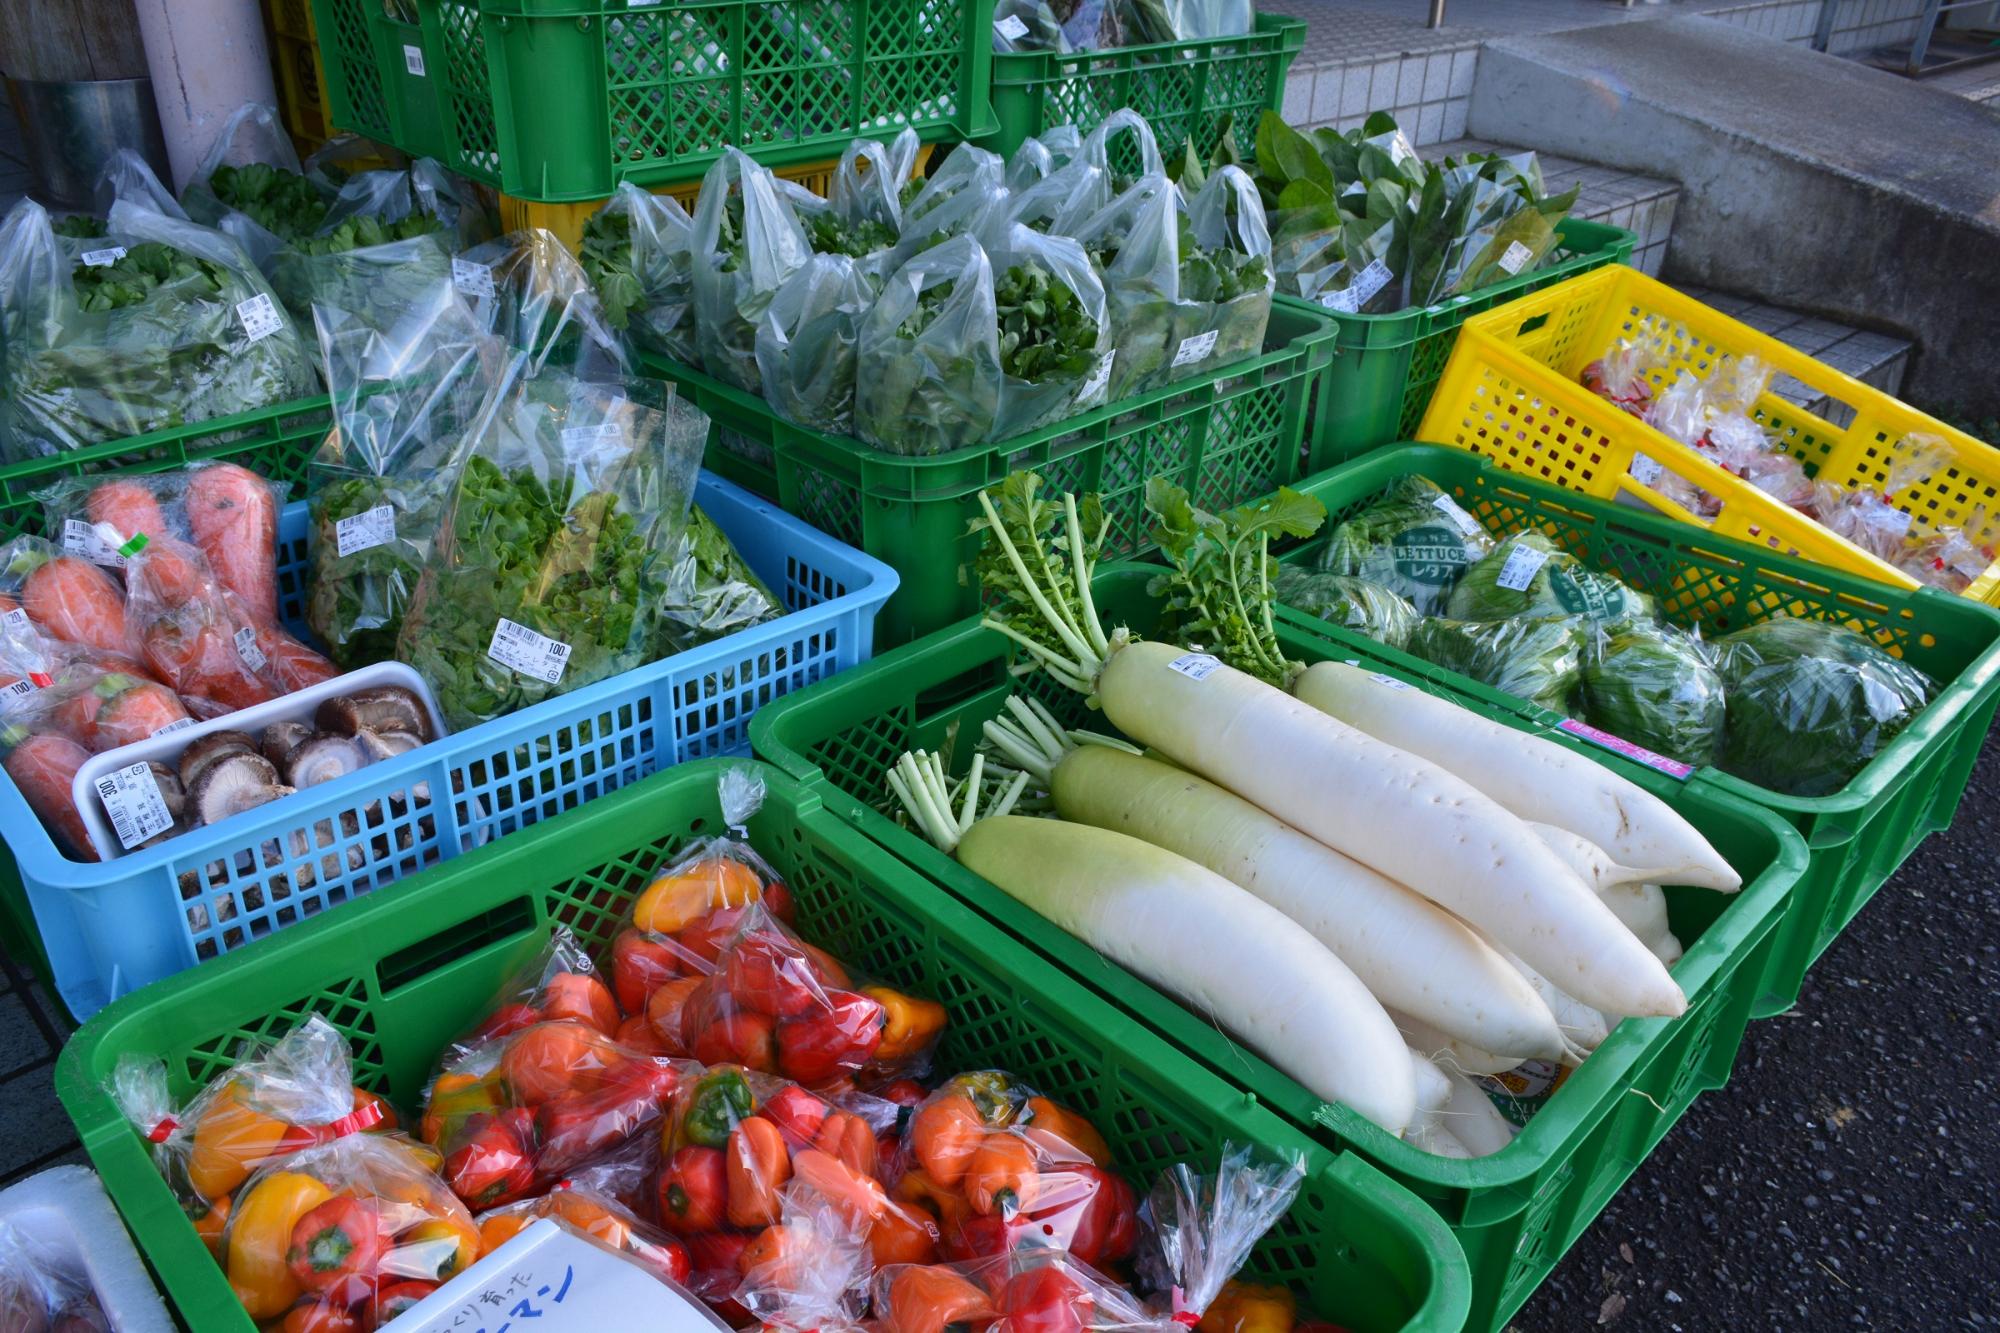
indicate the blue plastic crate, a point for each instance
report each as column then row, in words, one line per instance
column 109, row 928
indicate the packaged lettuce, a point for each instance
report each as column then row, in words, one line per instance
column 1412, row 539
column 1810, row 703
column 1656, row 687
column 1537, row 659
column 709, row 590
column 1352, row 603
column 1526, row 574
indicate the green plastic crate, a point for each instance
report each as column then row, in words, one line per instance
column 1515, row 1212
column 1228, row 435
column 1857, row 836
column 1388, row 366
column 557, row 101
column 403, row 970
column 1187, row 91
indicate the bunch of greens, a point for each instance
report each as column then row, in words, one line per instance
column 1086, row 25
column 1656, row 686
column 1412, row 539
column 635, row 251
column 1045, row 330
column 1539, row 660
column 746, row 241
column 1526, row 574
column 709, row 591
column 363, row 232
column 355, row 602
column 1220, row 590
column 142, row 271
column 807, row 343
column 286, row 204
column 928, row 379
column 858, row 239
column 1352, row 603
column 80, row 227
column 1810, row 703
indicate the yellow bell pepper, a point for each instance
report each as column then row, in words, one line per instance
column 1244, row 1307
column 261, row 1232
column 908, row 1023
column 230, row 1138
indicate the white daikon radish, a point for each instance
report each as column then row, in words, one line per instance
column 1399, row 814
column 1214, row 947
column 1449, row 1054
column 1429, row 1135
column 1643, row 909
column 1414, row 956
column 1592, row 864
column 1534, row 778
column 1584, row 1028
column 1474, row 1120
column 1433, row 1089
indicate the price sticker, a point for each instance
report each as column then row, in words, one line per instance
column 413, row 60
column 1100, row 378
column 103, row 258
column 96, row 542
column 1454, row 511
column 1645, row 469
column 247, row 649
column 179, row 724
column 521, row 649
column 370, row 527
column 1196, row 348
column 1390, row 681
column 1196, row 666
column 132, row 798
column 1638, row 754
column 20, row 689
column 1515, row 258
column 1523, row 562
column 589, row 437
column 1011, row 27
column 260, row 317
column 471, row 277
column 1349, row 299
column 17, row 620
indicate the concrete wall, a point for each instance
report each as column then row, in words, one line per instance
column 1857, row 25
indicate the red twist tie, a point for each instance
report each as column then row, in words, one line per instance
column 160, row 1132
column 1183, row 1316
column 354, row 1122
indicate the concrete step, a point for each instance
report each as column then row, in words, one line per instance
column 1643, row 205
column 1877, row 359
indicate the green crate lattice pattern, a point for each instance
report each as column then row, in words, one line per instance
column 359, row 79
column 471, row 95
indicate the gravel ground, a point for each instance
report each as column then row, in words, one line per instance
column 1845, row 1176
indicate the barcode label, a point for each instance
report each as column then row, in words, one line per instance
column 586, row 437
column 96, row 542
column 1454, row 511
column 1195, row 666
column 474, row 279
column 1099, row 380
column 519, row 648
column 413, row 59
column 103, row 258
column 133, row 801
column 1196, row 348
column 260, row 317
column 1516, row 258
column 179, row 725
column 1349, row 299
column 1390, row 681
column 1523, row 562
column 371, row 527
column 1011, row 27
column 247, row 649
column 1645, row 469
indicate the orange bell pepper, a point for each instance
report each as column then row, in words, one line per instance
column 211, row 1226
column 757, row 1167
column 858, row 1198
column 453, row 1099
column 1245, row 1307
column 231, row 1138
column 936, row 1300
column 1001, row 1177
column 259, row 1235
column 442, row 1247
column 946, row 1206
column 1045, row 1117
column 908, row 1023
column 496, row 1229
column 944, row 1134
column 902, row 1234
column 673, row 902
column 850, row 1139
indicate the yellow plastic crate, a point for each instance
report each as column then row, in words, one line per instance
column 1511, row 394
column 295, row 60
column 566, row 220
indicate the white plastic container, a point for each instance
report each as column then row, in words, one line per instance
column 167, row 747
column 69, row 1222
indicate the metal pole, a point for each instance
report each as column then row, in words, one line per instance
column 1437, row 14
column 207, row 57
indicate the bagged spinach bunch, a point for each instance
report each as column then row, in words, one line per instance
column 638, row 251
column 1540, row 660
column 1412, row 539
column 1655, row 686
column 969, row 188
column 862, row 215
column 528, row 290
column 546, row 572
column 251, row 184
column 408, row 395
column 1810, row 703
column 1055, row 334
column 159, row 322
column 387, row 237
column 1526, row 574
column 747, row 241
column 1229, row 269
column 1135, row 244
column 1080, row 25
column 1500, row 219
column 808, row 340
column 928, row 379
column 1043, row 154
column 1352, row 603
column 709, row 590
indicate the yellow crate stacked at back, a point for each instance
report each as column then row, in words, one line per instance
column 1512, row 394
column 301, row 78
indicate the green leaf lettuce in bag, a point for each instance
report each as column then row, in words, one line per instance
column 1527, row 574
column 1656, row 687
column 1412, row 539
column 1539, row 660
column 1352, row 603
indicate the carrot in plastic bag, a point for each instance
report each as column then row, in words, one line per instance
column 233, row 517
column 189, row 633
column 73, row 600
column 43, row 767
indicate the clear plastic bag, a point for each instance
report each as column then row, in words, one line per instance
column 1230, row 269
column 590, row 1212
column 1124, row 148
column 558, row 984
column 251, row 184
column 386, row 239
column 1412, row 539
column 710, row 591
column 1811, row 703
column 360, row 1228
column 1194, row 20
column 1200, row 1229
column 44, row 1291
column 1875, row 520
column 1041, row 155
column 862, row 216
column 1655, row 686
column 1056, row 355
column 553, row 544
column 1506, row 225
column 157, row 323
column 1352, row 603
column 1027, row 25
column 191, row 634
column 747, row 241
column 406, row 395
column 1621, row 375
column 1540, row 660
column 1526, row 574
column 1135, row 243
column 529, row 291
column 929, row 375
column 638, row 253
column 809, row 1270
column 1030, row 1289
column 807, row 342
column 958, row 196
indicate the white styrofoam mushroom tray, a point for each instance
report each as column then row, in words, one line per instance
column 68, row 1223
column 88, row 788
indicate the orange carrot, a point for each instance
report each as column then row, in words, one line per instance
column 43, row 768
column 288, row 664
column 134, row 710
column 77, row 602
column 172, row 573
column 234, row 519
column 194, row 652
column 128, row 506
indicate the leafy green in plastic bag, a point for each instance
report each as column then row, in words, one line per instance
column 1352, row 603
column 1656, row 687
column 1810, row 703
column 709, row 590
column 1539, row 660
column 1526, row 574
column 1412, row 539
